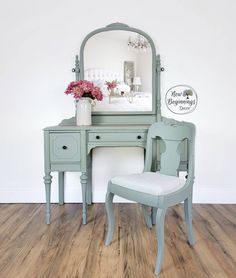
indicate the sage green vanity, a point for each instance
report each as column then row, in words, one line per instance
column 68, row 148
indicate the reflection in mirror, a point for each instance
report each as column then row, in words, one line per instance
column 120, row 64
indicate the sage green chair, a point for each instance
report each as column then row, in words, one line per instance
column 159, row 190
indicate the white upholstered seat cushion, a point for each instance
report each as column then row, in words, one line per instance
column 150, row 183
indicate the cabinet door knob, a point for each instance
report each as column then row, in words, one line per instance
column 98, row 137
column 139, row 137
column 64, row 147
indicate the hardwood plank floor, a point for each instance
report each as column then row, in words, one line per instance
column 66, row 248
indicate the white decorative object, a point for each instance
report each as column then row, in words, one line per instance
column 139, row 43
column 84, row 111
column 122, row 87
column 137, row 83
column 97, row 74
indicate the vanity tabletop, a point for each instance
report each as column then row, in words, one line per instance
column 122, row 127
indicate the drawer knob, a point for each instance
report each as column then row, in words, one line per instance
column 139, row 137
column 64, row 147
column 98, row 137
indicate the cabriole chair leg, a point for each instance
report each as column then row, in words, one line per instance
column 110, row 217
column 188, row 218
column 154, row 215
column 160, row 222
column 147, row 216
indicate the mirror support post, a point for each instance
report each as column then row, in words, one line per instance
column 158, row 84
column 77, row 68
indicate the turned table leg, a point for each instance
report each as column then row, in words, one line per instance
column 83, row 180
column 89, row 180
column 47, row 182
column 61, row 188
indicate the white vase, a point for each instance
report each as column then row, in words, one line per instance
column 84, row 111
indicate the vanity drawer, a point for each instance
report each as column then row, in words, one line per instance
column 64, row 147
column 117, row 136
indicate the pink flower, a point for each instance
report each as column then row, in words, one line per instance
column 84, row 88
column 96, row 92
column 111, row 84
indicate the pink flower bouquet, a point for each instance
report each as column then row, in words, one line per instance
column 84, row 88
column 111, row 84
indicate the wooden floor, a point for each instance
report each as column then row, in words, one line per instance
column 30, row 248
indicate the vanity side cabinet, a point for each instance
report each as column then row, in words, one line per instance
column 62, row 152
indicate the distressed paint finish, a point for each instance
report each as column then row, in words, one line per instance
column 172, row 134
column 76, row 156
column 67, row 147
column 86, row 139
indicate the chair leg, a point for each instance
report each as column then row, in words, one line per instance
column 154, row 215
column 147, row 216
column 160, row 222
column 110, row 216
column 188, row 218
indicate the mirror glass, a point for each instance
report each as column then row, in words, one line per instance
column 120, row 63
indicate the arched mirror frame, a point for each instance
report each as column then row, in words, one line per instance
column 126, row 117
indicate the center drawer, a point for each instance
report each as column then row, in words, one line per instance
column 117, row 136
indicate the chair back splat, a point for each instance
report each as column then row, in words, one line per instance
column 172, row 136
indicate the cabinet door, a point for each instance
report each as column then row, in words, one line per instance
column 64, row 147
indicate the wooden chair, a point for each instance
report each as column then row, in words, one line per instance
column 158, row 190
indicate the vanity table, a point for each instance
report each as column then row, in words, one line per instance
column 68, row 147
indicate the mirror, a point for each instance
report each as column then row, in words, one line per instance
column 120, row 63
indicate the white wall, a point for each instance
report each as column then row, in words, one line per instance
column 144, row 70
column 196, row 40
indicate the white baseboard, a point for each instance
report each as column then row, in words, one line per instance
column 210, row 194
